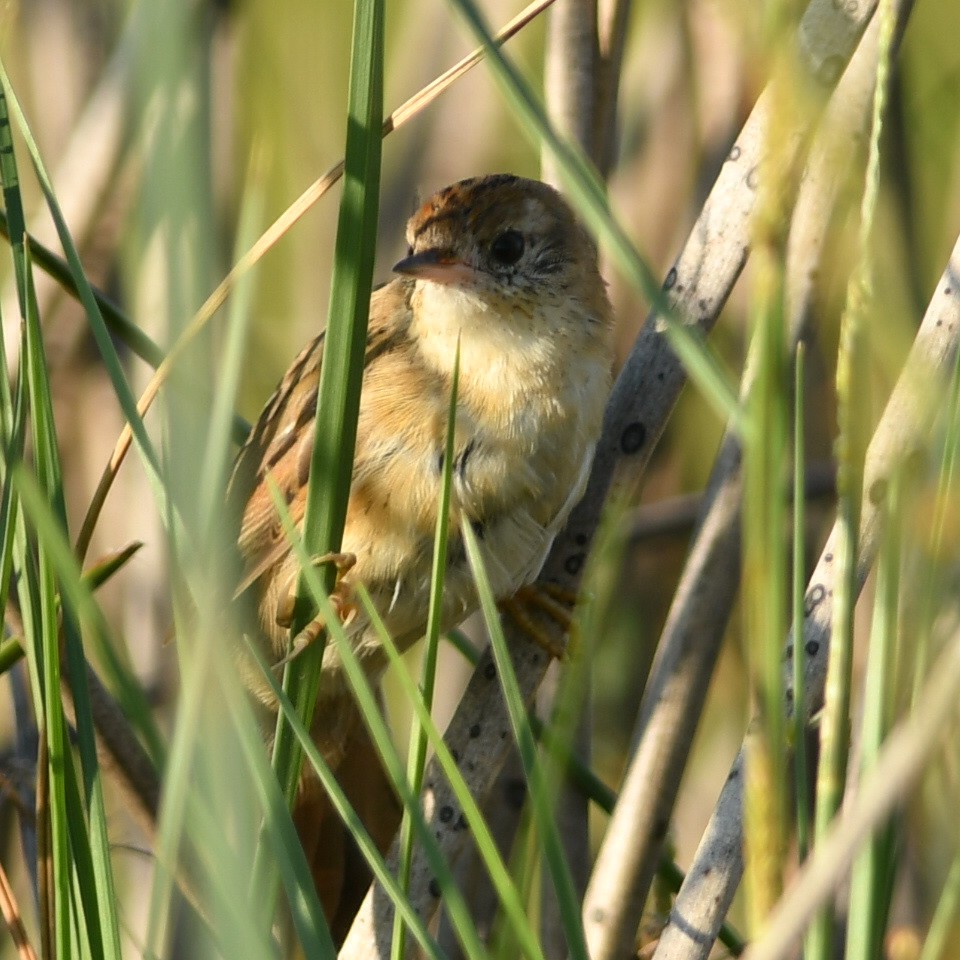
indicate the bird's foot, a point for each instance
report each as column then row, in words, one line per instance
column 341, row 599
column 548, row 599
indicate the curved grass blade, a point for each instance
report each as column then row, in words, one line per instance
column 349, row 817
column 569, row 904
column 118, row 323
column 486, row 845
column 416, row 761
column 97, row 326
column 376, row 725
column 305, row 909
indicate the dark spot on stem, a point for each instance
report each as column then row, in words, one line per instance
column 633, row 438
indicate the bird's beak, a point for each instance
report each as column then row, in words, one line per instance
column 440, row 266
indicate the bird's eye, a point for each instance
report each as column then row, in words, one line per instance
column 507, row 248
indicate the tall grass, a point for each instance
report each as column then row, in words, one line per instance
column 221, row 872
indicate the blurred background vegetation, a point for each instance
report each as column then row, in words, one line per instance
column 149, row 116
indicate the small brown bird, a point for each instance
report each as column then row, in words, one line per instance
column 500, row 265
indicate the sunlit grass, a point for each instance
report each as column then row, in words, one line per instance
column 224, row 836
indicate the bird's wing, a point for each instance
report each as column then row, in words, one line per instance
column 281, row 443
column 549, row 533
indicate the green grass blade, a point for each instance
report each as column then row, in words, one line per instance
column 217, row 452
column 798, row 587
column 510, row 901
column 91, row 853
column 852, row 378
column 186, row 819
column 77, row 598
column 11, row 652
column 370, row 711
column 15, row 552
column 305, row 909
column 173, row 821
column 97, row 326
column 569, row 905
column 13, row 420
column 86, row 896
column 525, row 870
column 353, row 823
column 118, row 323
column 872, row 871
column 764, row 571
column 39, row 610
column 417, row 758
column 944, row 916
column 84, row 845
column 342, row 368
column 98, row 573
column 37, row 593
column 214, row 870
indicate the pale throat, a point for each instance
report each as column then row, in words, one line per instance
column 505, row 349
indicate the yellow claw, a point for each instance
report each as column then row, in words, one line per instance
column 345, row 609
column 549, row 599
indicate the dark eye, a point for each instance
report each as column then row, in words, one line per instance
column 507, row 248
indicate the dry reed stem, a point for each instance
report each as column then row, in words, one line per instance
column 692, row 635
column 900, row 437
column 899, row 765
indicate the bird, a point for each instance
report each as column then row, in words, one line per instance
column 501, row 278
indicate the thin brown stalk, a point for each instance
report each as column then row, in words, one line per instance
column 11, row 913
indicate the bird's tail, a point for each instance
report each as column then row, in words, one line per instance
column 340, row 872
